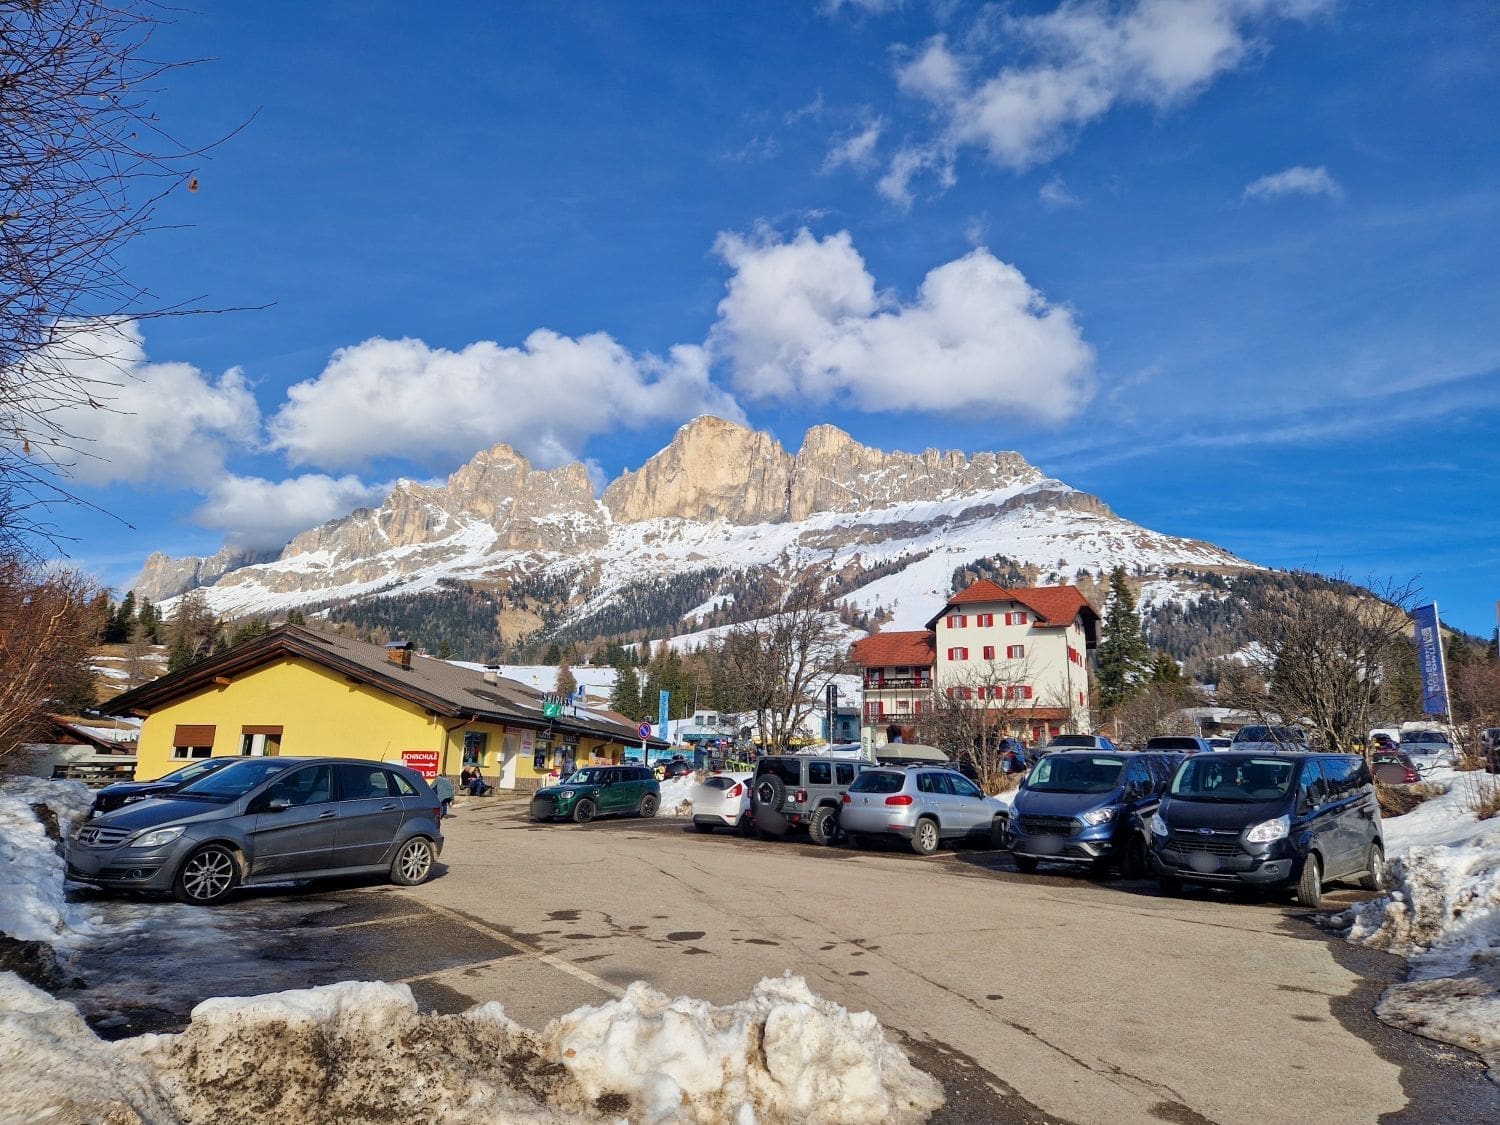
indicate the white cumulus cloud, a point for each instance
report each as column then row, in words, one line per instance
column 546, row 398
column 264, row 513
column 856, row 150
column 803, row 319
column 1300, row 180
column 123, row 418
column 1072, row 65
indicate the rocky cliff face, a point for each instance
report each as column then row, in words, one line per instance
column 164, row 577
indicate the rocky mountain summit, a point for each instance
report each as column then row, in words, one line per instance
column 720, row 496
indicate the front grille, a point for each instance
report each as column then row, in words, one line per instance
column 1050, row 826
column 94, row 836
column 1207, row 844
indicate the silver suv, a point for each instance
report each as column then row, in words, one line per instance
column 923, row 805
column 266, row 820
column 791, row 791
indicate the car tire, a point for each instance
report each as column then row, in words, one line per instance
column 747, row 826
column 770, row 791
column 997, row 834
column 413, row 863
column 766, row 835
column 583, row 811
column 1133, row 863
column 856, row 840
column 1374, row 878
column 207, row 876
column 1310, row 887
column 1025, row 864
column 701, row 827
column 649, row 804
column 823, row 826
column 925, row 837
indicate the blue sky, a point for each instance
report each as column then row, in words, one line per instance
column 1230, row 264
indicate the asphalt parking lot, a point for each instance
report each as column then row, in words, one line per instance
column 1043, row 997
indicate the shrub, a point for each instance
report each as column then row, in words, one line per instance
column 1396, row 800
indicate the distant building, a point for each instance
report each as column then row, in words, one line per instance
column 1020, row 650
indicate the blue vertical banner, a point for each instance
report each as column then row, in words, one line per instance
column 661, row 712
column 1430, row 660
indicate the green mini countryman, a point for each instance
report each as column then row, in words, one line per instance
column 599, row 791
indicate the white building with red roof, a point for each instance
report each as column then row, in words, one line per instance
column 1023, row 651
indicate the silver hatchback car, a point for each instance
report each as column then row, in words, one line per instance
column 265, row 820
column 924, row 805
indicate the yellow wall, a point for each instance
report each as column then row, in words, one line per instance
column 322, row 712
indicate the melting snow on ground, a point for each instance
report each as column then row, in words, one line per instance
column 362, row 1051
column 1443, row 916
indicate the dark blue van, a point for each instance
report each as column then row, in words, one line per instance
column 1289, row 821
column 1088, row 808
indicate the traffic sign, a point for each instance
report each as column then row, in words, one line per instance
column 644, row 730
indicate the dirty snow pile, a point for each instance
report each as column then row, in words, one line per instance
column 357, row 1052
column 32, row 868
column 677, row 796
column 1443, row 915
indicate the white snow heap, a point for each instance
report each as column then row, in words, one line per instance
column 357, row 1051
column 32, row 868
column 1443, row 915
column 677, row 796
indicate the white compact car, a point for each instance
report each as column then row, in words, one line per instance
column 1429, row 749
column 722, row 800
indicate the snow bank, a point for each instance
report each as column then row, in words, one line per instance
column 1443, row 915
column 358, row 1051
column 677, row 796
column 32, row 868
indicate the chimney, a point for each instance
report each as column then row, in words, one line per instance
column 492, row 673
column 399, row 653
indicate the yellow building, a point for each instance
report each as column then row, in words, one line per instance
column 297, row 691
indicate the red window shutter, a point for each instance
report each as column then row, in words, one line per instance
column 989, row 652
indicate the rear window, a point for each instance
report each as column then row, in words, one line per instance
column 1284, row 735
column 1172, row 742
column 718, row 782
column 878, row 781
column 1085, row 740
column 789, row 772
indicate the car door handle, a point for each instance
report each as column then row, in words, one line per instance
column 387, row 808
column 329, row 813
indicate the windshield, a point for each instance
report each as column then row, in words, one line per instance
column 196, row 769
column 1424, row 736
column 1386, row 757
column 587, row 777
column 1073, row 740
column 1235, row 780
column 234, row 780
column 878, row 781
column 1284, row 735
column 1085, row 773
column 1171, row 742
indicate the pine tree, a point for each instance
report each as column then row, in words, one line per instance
column 625, row 697
column 1124, row 660
column 566, row 684
column 296, row 617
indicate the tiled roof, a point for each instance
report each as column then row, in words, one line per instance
column 895, row 649
column 1053, row 605
column 446, row 689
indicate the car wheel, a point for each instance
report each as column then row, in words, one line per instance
column 823, row 826
column 770, row 791
column 856, row 840
column 702, row 827
column 1310, row 889
column 997, row 833
column 583, row 811
column 649, row 804
column 413, row 863
column 1133, row 859
column 925, row 838
column 747, row 826
column 207, row 876
column 1374, row 877
column 1025, row 864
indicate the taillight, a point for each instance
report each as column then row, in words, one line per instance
column 848, row 800
column 1412, row 775
column 736, row 791
column 800, row 797
column 898, row 799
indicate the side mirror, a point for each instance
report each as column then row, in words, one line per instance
column 277, row 804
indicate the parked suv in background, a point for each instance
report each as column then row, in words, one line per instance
column 599, row 791
column 266, row 820
column 1079, row 742
column 123, row 793
column 1270, row 739
column 1089, row 808
column 923, row 805
column 1279, row 820
column 1429, row 749
column 792, row 791
column 1180, row 744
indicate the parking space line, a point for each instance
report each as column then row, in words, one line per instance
column 523, row 947
column 372, row 922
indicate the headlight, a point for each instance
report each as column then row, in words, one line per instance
column 133, row 799
column 1099, row 816
column 1268, row 830
column 566, row 793
column 157, row 837
column 1158, row 825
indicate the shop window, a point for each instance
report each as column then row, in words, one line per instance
column 476, row 742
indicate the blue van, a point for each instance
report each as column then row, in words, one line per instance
column 1286, row 821
column 1089, row 808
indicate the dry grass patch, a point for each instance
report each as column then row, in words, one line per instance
column 1396, row 800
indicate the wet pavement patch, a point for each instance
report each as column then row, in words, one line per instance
column 974, row 1095
column 685, row 935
